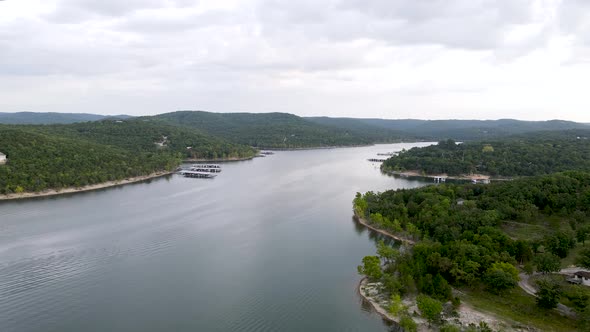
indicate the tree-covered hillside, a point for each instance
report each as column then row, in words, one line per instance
column 38, row 161
column 467, row 130
column 58, row 156
column 525, row 155
column 266, row 130
column 142, row 134
column 361, row 128
column 462, row 239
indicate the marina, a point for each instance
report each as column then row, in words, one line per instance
column 211, row 168
column 201, row 171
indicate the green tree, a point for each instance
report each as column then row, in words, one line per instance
column 583, row 259
column 548, row 294
column 561, row 243
column 579, row 296
column 547, row 262
column 501, row 276
column 396, row 307
column 371, row 267
column 429, row 308
column 582, row 234
column 408, row 324
column 386, row 252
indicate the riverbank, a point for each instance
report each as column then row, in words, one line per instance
column 465, row 315
column 70, row 190
column 218, row 160
column 319, row 147
column 365, row 223
column 479, row 178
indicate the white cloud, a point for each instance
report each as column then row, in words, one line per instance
column 383, row 58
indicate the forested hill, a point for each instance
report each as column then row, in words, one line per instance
column 461, row 130
column 142, row 134
column 58, row 156
column 273, row 130
column 283, row 130
column 51, row 118
column 473, row 236
column 523, row 155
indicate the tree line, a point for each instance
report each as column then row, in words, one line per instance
column 527, row 155
column 58, row 156
column 460, row 234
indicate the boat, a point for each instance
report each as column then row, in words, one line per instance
column 211, row 168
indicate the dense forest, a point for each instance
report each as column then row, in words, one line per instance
column 282, row 130
column 268, row 130
column 469, row 130
column 74, row 155
column 526, row 155
column 474, row 236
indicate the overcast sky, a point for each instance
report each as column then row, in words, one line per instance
column 427, row 59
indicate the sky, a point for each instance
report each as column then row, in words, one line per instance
column 424, row 59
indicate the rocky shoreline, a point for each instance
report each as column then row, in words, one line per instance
column 464, row 315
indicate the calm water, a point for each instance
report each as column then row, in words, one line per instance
column 269, row 245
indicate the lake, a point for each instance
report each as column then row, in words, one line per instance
column 268, row 245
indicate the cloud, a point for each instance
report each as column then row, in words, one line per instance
column 75, row 11
column 477, row 24
column 333, row 57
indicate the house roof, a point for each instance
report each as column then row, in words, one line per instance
column 582, row 274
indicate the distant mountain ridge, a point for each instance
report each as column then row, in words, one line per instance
column 284, row 130
column 456, row 129
column 269, row 130
column 53, row 117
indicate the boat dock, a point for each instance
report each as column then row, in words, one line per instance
column 440, row 179
column 211, row 168
column 197, row 174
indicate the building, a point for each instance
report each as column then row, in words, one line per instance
column 2, row 158
column 582, row 277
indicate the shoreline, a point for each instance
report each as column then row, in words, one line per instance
column 363, row 222
column 72, row 190
column 478, row 177
column 326, row 147
column 382, row 312
column 221, row 160
column 317, row 147
column 467, row 313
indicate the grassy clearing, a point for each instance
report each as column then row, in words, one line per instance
column 570, row 259
column 518, row 230
column 519, row 307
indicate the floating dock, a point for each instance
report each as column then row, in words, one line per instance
column 197, row 174
column 211, row 168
